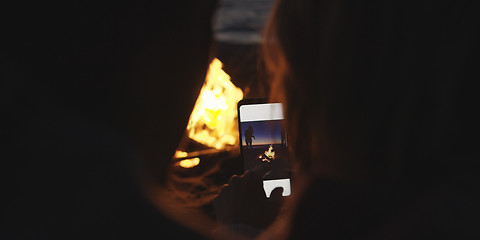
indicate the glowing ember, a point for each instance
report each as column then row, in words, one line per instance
column 189, row 163
column 268, row 155
column 213, row 119
column 180, row 154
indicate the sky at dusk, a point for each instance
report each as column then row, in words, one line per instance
column 265, row 132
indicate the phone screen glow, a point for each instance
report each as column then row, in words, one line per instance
column 263, row 139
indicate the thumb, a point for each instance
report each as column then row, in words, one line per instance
column 276, row 198
column 262, row 169
column 275, row 202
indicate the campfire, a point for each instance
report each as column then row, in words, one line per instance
column 211, row 137
column 213, row 121
column 268, row 155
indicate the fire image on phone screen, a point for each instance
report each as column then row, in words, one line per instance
column 264, row 140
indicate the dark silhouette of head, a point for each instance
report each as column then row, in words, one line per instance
column 379, row 90
column 379, row 107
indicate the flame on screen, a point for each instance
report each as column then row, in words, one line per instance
column 268, row 155
column 213, row 119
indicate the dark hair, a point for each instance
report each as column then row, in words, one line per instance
column 376, row 90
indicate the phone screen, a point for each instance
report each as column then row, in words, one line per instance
column 263, row 139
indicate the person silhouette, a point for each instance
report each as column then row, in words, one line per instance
column 248, row 136
column 378, row 99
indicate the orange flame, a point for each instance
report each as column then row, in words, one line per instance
column 189, row 163
column 213, row 119
column 269, row 155
column 180, row 154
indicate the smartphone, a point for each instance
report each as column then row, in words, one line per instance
column 263, row 139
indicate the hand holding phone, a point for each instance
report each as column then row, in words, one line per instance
column 255, row 197
column 243, row 201
column 263, row 140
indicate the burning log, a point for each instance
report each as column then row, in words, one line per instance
column 213, row 121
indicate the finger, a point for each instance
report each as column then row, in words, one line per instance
column 222, row 194
column 276, row 200
column 276, row 195
column 234, row 181
column 252, row 183
column 250, row 177
column 262, row 169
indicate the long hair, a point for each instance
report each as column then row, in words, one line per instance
column 375, row 90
